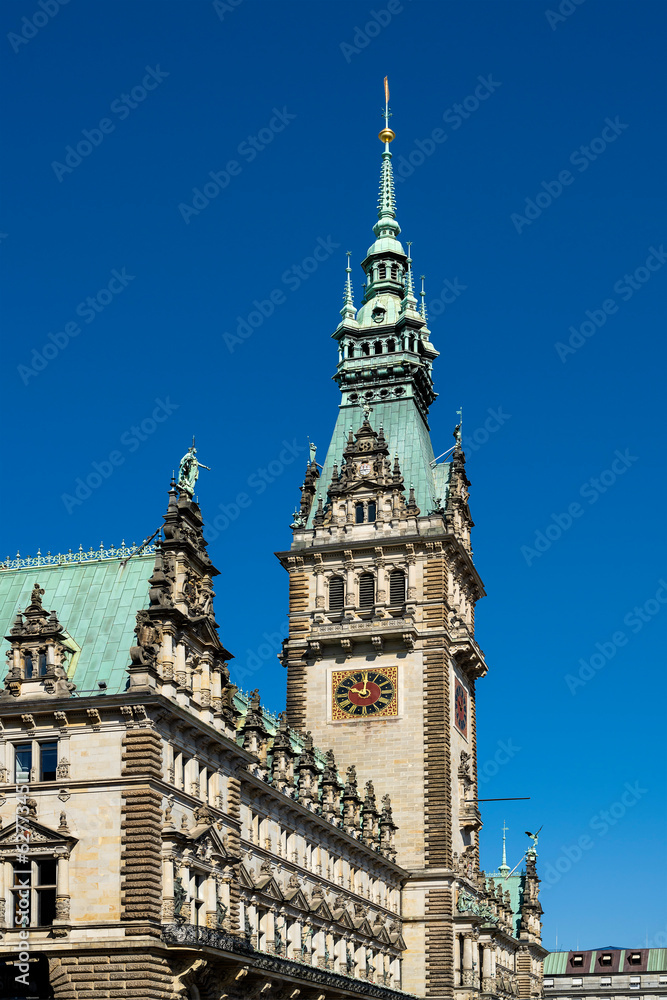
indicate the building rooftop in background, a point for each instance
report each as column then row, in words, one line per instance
column 606, row 973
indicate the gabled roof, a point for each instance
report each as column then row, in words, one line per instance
column 36, row 835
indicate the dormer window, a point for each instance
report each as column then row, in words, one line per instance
column 635, row 957
column 605, row 959
column 577, row 960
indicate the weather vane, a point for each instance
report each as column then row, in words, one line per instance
column 386, row 135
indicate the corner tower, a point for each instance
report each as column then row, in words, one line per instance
column 381, row 655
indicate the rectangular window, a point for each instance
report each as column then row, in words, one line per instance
column 34, row 892
column 548, row 982
column 605, row 981
column 577, row 982
column 366, row 590
column 23, row 762
column 21, row 891
column 663, row 980
column 46, row 891
column 634, row 982
column 336, row 593
column 48, row 761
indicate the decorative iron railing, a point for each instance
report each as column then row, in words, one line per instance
column 123, row 551
column 187, row 935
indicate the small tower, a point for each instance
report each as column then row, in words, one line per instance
column 39, row 653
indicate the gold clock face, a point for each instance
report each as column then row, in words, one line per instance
column 364, row 694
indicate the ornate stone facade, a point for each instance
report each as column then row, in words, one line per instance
column 173, row 838
column 207, row 849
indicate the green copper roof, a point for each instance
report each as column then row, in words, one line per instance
column 515, row 884
column 406, row 435
column 96, row 603
column 555, row 963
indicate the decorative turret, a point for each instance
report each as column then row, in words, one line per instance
column 39, row 653
column 331, row 789
column 307, row 771
column 178, row 649
column 371, row 829
column 457, row 512
column 351, row 803
column 254, row 732
column 282, row 764
column 387, row 828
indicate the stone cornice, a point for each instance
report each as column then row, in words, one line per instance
column 288, row 804
column 450, row 544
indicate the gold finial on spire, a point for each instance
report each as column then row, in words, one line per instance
column 386, row 135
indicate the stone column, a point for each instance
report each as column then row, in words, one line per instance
column 381, row 595
column 411, row 561
column 489, row 968
column 294, row 939
column 320, row 601
column 395, row 971
column 466, row 979
column 318, row 941
column 210, row 899
column 62, row 887
column 205, row 682
column 3, row 890
column 167, row 890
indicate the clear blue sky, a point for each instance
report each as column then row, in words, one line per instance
column 542, row 206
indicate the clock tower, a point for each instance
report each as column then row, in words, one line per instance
column 381, row 654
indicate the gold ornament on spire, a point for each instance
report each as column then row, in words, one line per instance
column 386, row 135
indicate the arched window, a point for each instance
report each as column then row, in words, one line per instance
column 372, row 510
column 391, row 346
column 350, row 350
column 359, row 513
column 336, row 593
column 378, row 347
column 366, row 590
column 397, row 587
column 394, row 271
column 411, row 344
column 382, row 271
column 365, row 350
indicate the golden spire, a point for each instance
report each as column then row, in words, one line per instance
column 386, row 135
